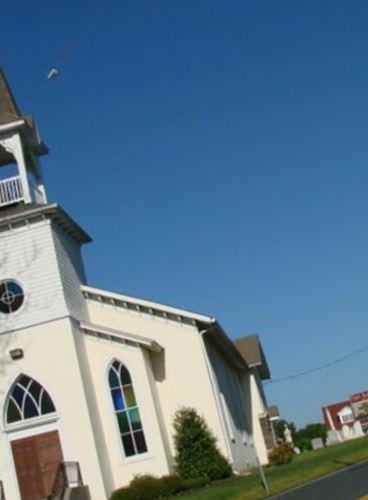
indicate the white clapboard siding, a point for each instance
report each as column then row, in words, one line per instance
column 72, row 274
column 35, row 257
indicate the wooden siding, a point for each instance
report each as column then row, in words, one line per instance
column 27, row 255
column 72, row 274
column 49, row 271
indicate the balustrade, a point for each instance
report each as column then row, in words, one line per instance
column 11, row 191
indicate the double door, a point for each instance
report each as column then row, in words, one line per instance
column 36, row 460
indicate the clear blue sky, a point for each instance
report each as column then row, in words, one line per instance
column 251, row 207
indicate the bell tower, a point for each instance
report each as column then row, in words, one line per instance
column 41, row 266
column 20, row 147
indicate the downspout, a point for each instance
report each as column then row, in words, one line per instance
column 216, row 393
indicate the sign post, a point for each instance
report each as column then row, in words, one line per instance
column 262, row 474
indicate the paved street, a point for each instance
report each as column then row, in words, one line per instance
column 348, row 484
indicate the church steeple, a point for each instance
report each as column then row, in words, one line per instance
column 9, row 111
column 20, row 146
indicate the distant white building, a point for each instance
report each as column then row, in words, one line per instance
column 91, row 379
column 347, row 419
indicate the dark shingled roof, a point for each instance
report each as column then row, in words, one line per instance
column 24, row 213
column 12, row 210
column 9, row 111
column 251, row 349
column 273, row 411
column 10, row 114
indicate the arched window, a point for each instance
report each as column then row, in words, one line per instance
column 126, row 410
column 27, row 399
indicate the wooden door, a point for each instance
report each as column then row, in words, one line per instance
column 36, row 460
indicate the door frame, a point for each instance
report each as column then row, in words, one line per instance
column 25, row 432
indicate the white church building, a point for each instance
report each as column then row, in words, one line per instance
column 90, row 380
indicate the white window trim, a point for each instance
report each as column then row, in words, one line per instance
column 140, row 456
column 31, row 423
column 13, row 314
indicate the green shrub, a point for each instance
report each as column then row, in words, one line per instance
column 281, row 454
column 147, row 487
column 169, row 485
column 303, row 443
column 123, row 494
column 196, row 452
column 195, row 482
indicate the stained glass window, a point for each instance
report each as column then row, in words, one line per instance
column 27, row 399
column 11, row 296
column 126, row 410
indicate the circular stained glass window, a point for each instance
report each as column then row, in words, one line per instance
column 11, row 296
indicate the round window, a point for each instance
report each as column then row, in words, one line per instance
column 11, row 296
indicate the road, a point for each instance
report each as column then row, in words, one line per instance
column 347, row 484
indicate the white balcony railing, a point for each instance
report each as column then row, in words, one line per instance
column 11, row 191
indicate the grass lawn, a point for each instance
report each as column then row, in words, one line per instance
column 302, row 469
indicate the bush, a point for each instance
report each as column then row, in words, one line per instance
column 147, row 487
column 196, row 452
column 281, row 454
column 169, row 485
column 195, row 482
column 303, row 444
column 303, row 437
column 123, row 494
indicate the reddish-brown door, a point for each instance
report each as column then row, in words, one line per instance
column 36, row 460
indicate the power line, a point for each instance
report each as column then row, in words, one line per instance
column 319, row 367
column 315, row 42
column 69, row 48
column 217, row 98
column 222, row 96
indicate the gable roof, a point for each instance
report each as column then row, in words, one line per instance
column 11, row 118
column 9, row 111
column 331, row 413
column 250, row 348
column 273, row 412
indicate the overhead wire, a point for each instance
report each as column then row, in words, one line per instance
column 221, row 96
column 318, row 368
column 314, row 41
column 217, row 98
column 69, row 48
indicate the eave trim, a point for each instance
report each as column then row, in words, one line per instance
column 117, row 335
column 53, row 211
column 146, row 306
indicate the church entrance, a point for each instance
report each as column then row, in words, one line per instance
column 36, row 460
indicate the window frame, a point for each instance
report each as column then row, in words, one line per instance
column 31, row 421
column 11, row 314
column 348, row 418
column 138, row 456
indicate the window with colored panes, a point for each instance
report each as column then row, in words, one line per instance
column 126, row 410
